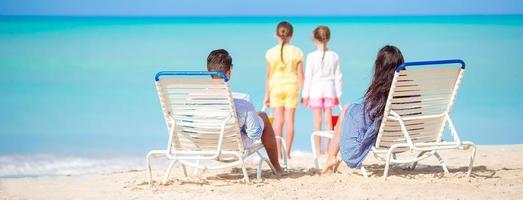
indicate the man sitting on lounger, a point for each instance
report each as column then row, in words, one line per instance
column 254, row 126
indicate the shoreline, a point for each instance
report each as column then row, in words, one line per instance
column 497, row 168
column 14, row 166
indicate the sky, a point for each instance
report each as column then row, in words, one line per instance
column 258, row 7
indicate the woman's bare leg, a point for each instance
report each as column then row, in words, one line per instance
column 317, row 127
column 278, row 127
column 328, row 127
column 289, row 127
column 335, row 145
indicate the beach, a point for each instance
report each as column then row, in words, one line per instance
column 497, row 174
column 80, row 109
column 82, row 102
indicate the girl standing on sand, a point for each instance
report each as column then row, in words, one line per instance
column 358, row 125
column 284, row 78
column 323, row 83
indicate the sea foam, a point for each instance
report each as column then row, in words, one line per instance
column 12, row 166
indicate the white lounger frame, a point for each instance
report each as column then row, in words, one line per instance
column 202, row 124
column 325, row 134
column 439, row 87
column 417, row 111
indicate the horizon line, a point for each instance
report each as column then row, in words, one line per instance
column 267, row 16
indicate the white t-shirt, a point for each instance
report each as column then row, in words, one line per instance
column 323, row 78
column 251, row 125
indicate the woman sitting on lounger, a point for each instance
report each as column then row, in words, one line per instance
column 358, row 126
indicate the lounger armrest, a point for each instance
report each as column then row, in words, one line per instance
column 222, row 132
column 171, row 133
column 172, row 151
column 453, row 131
column 403, row 129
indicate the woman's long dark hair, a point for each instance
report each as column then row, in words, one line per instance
column 388, row 58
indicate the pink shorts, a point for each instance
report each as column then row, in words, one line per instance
column 322, row 103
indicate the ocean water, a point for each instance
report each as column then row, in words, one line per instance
column 81, row 89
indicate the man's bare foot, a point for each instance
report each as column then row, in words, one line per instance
column 281, row 173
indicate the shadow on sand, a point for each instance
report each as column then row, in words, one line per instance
column 235, row 175
column 376, row 170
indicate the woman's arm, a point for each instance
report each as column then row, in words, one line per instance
column 338, row 76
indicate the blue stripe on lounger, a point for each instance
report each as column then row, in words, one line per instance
column 189, row 73
column 435, row 62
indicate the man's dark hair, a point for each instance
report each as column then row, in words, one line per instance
column 219, row 60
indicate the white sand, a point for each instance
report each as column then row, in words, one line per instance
column 498, row 174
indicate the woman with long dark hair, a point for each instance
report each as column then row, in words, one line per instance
column 358, row 125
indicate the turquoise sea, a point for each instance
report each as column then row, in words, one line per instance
column 78, row 92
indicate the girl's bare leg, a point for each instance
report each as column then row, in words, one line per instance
column 278, row 127
column 317, row 127
column 328, row 126
column 289, row 127
column 332, row 161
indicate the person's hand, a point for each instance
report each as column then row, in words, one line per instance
column 267, row 101
column 305, row 101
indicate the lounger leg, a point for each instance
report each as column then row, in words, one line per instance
column 416, row 162
column 472, row 156
column 184, row 170
column 364, row 172
column 284, row 152
column 316, row 163
column 387, row 163
column 441, row 162
column 260, row 163
column 259, row 170
column 268, row 162
column 148, row 165
column 150, row 155
column 169, row 170
column 244, row 170
column 196, row 170
column 271, row 166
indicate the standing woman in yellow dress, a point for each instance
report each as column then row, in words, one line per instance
column 284, row 79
